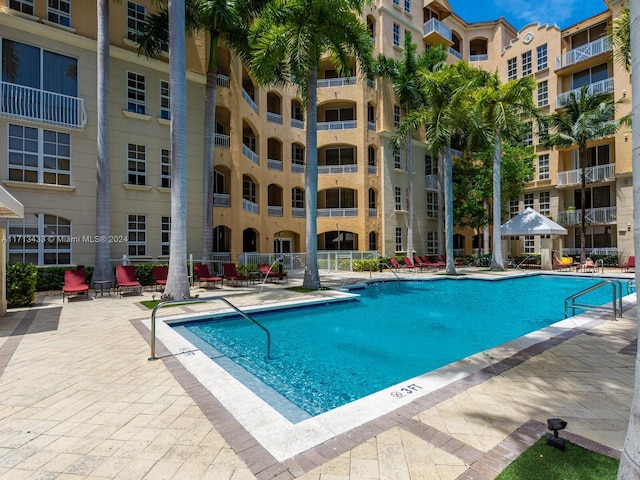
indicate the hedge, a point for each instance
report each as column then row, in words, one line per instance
column 21, row 284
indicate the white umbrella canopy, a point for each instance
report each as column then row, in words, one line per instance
column 530, row 222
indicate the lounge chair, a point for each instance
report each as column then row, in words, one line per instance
column 407, row 262
column 202, row 275
column 629, row 264
column 418, row 262
column 443, row 260
column 435, row 264
column 395, row 264
column 231, row 274
column 126, row 279
column 267, row 273
column 565, row 263
column 160, row 274
column 75, row 282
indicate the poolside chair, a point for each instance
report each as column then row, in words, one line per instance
column 565, row 263
column 395, row 264
column 160, row 274
column 75, row 282
column 126, row 279
column 231, row 274
column 435, row 264
column 267, row 272
column 443, row 260
column 630, row 263
column 418, row 262
column 202, row 275
column 407, row 262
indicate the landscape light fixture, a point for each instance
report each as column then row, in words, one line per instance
column 556, row 424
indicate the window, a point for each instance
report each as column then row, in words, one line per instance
column 396, row 116
column 589, row 76
column 397, row 159
column 527, row 134
column 430, row 167
column 297, row 154
column 529, row 244
column 432, row 243
column 297, row 198
column 40, row 239
column 542, row 56
column 398, row 239
column 545, row 203
column 24, row 6
column 165, row 235
column 59, row 11
column 512, row 68
column 526, row 63
column 407, row 6
column 340, row 156
column 221, row 239
column 165, row 168
column 371, row 156
column 528, row 200
column 165, row 102
column 432, row 204
column 396, row 35
column 396, row 3
column 543, row 132
column 398, row 197
column 543, row 167
column 136, row 101
column 136, row 235
column 514, row 208
column 249, row 189
column 136, row 164
column 543, row 93
column 135, row 20
column 373, row 241
column 39, row 156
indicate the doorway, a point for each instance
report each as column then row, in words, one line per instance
column 284, row 246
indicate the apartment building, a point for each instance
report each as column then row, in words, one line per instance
column 48, row 129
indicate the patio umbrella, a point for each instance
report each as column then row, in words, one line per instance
column 530, row 222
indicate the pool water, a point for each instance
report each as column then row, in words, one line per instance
column 323, row 357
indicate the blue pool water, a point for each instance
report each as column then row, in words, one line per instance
column 326, row 356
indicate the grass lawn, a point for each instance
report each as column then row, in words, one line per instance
column 151, row 304
column 541, row 461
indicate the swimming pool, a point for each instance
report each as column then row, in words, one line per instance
column 326, row 356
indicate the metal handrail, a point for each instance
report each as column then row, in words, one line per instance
column 525, row 260
column 616, row 310
column 201, row 300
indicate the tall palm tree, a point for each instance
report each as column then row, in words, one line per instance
column 619, row 35
column 404, row 76
column 585, row 118
column 502, row 107
column 289, row 39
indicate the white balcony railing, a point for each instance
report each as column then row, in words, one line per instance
column 297, row 168
column 222, row 81
column 273, row 164
column 274, row 118
column 373, row 170
column 371, row 126
column 297, row 212
column 249, row 100
column 222, row 199
column 336, row 82
column 247, row 152
column 41, row 106
column 599, row 173
column 373, row 212
column 295, row 123
column 598, row 88
column 583, row 52
column 346, row 125
column 249, row 206
column 222, row 140
column 435, row 25
column 455, row 53
column 337, row 212
column 274, row 211
column 337, row 169
column 431, row 182
column 592, row 216
column 483, row 57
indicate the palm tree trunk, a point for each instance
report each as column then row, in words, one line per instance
column 450, row 268
column 497, row 263
column 440, row 204
column 311, row 274
column 486, row 242
column 630, row 459
column 409, row 156
column 583, row 200
column 177, row 287
column 102, row 264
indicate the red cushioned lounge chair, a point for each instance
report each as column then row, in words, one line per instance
column 232, row 275
column 267, row 273
column 126, row 279
column 202, row 275
column 160, row 274
column 75, row 282
column 629, row 264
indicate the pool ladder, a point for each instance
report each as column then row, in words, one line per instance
column 616, row 302
column 202, row 300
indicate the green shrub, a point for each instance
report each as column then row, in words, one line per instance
column 21, row 284
column 368, row 265
column 144, row 273
column 52, row 278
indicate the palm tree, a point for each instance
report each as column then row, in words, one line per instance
column 404, row 76
column 502, row 107
column 583, row 119
column 619, row 36
column 288, row 41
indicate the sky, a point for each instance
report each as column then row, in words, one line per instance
column 519, row 13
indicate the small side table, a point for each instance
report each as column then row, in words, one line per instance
column 100, row 285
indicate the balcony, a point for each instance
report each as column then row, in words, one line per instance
column 249, row 206
column 274, row 211
column 598, row 88
column 41, row 106
column 373, row 212
column 297, row 168
column 247, row 152
column 249, row 100
column 371, row 126
column 222, row 199
column 479, row 58
column 431, row 182
column 337, row 169
column 297, row 212
column 373, row 170
column 437, row 33
column 593, row 216
column 583, row 53
column 295, row 123
column 274, row 118
column 273, row 164
column 337, row 82
column 600, row 173
column 337, row 212
column 455, row 53
column 346, row 125
column 222, row 81
column 222, row 140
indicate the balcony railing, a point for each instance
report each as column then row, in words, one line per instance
column 431, row 182
column 249, row 206
column 273, row 164
column 249, row 100
column 295, row 123
column 41, row 106
column 297, row 212
column 297, row 168
column 346, row 125
column 274, row 117
column 222, row 199
column 373, row 212
column 222, row 81
column 435, row 25
column 274, row 211
column 455, row 53
column 371, row 126
column 583, row 52
column 222, row 140
column 337, row 169
column 592, row 216
column 598, row 88
column 337, row 212
column 336, row 82
column 247, row 152
column 373, row 170
column 483, row 57
column 599, row 173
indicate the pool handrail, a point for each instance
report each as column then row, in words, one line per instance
column 202, row 300
column 616, row 297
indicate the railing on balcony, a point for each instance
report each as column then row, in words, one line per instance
column 273, row 164
column 249, row 206
column 336, row 82
column 431, row 182
column 222, row 199
column 583, row 52
column 599, row 173
column 592, row 215
column 41, row 106
column 274, row 211
column 295, row 123
column 222, row 81
column 435, row 25
column 591, row 251
column 222, row 140
column 337, row 212
column 483, row 57
column 297, row 168
column 373, row 212
column 249, row 100
column 598, row 88
column 247, row 152
column 373, row 170
column 371, row 126
column 346, row 125
column 297, row 212
column 455, row 53
column 337, row 169
column 274, row 117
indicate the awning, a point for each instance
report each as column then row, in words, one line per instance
column 9, row 206
column 530, row 222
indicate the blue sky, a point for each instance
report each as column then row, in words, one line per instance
column 519, row 13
